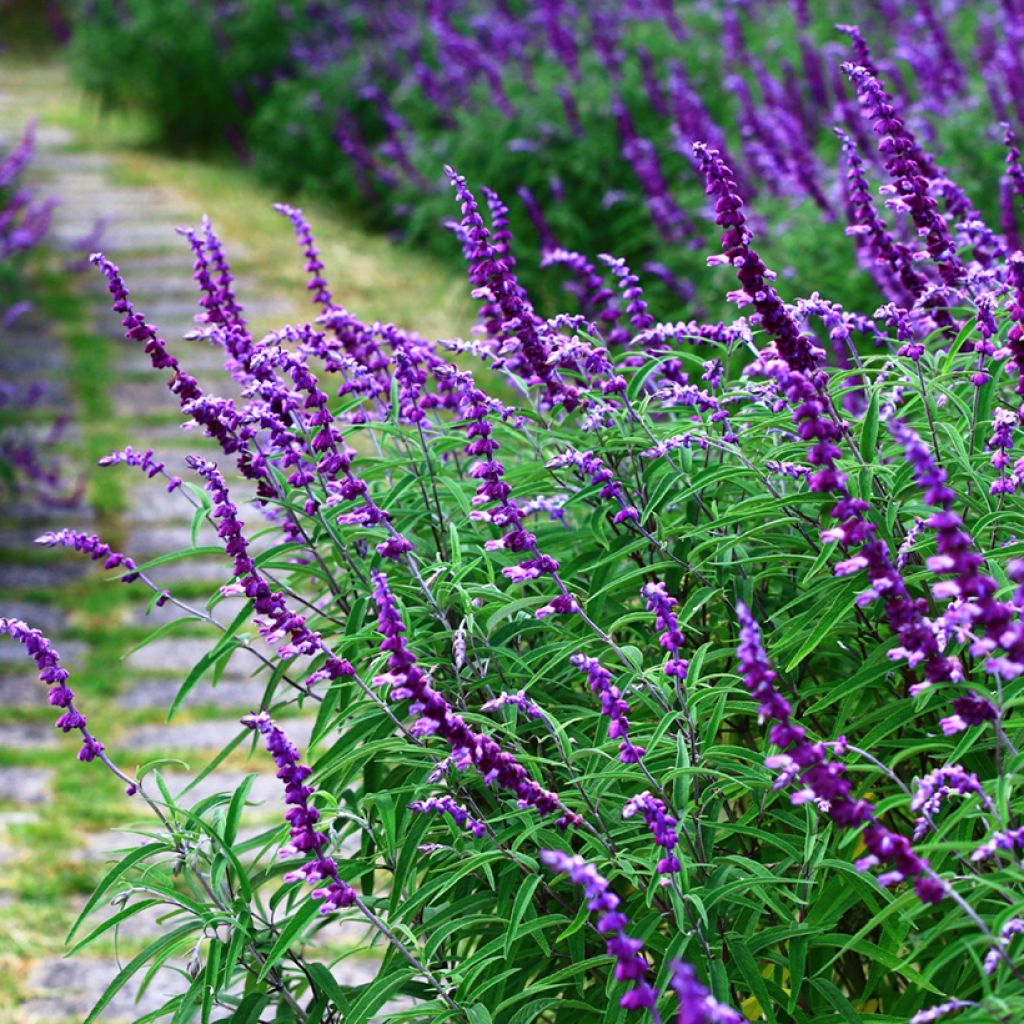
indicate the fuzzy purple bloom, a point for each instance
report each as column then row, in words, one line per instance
column 662, row 826
column 306, row 841
column 448, row 805
column 436, row 717
column 630, row 964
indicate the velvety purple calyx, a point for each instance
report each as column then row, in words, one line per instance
column 448, row 805
column 630, row 964
column 613, row 705
column 910, row 172
column 590, row 466
column 822, row 780
column 661, row 824
column 434, row 716
column 53, row 673
column 696, row 1004
column 146, row 461
column 661, row 604
column 508, row 313
column 993, row 624
column 305, row 841
column 798, row 350
column 89, row 544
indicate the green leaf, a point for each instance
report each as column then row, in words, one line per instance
column 164, row 944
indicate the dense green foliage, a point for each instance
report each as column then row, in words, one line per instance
column 310, row 93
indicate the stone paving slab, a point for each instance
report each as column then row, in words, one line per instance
column 203, row 735
column 65, row 991
column 146, row 924
column 132, row 399
column 21, row 692
column 158, row 694
column 181, row 654
column 151, row 503
column 22, row 785
column 39, row 577
column 26, row 508
column 190, row 736
column 27, row 736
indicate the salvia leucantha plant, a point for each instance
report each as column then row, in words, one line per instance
column 673, row 678
column 580, row 114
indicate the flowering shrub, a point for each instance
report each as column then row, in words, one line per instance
column 673, row 677
column 580, row 115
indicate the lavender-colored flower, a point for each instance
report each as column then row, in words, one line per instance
column 435, row 716
column 613, row 705
column 890, row 260
column 957, row 556
column 1015, row 308
column 1000, row 443
column 940, row 785
column 317, row 284
column 276, row 621
column 938, row 1012
column 448, row 805
column 518, row 699
column 146, row 461
column 53, row 673
column 630, row 964
column 797, row 350
column 587, row 464
column 306, row 841
column 994, row 956
column 823, row 780
column 907, row 547
column 910, row 172
column 629, row 284
column 89, row 544
column 1007, row 841
column 661, row 603
column 696, row 1003
column 512, row 320
column 494, row 490
column 662, row 826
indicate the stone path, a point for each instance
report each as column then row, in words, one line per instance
column 52, row 809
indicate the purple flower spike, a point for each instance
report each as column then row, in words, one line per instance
column 661, row 604
column 696, row 1004
column 146, row 461
column 910, row 171
column 799, row 351
column 935, row 1013
column 55, row 676
column 317, row 284
column 89, row 544
column 630, row 964
column 940, row 785
column 587, row 464
column 458, row 813
column 302, row 817
column 662, row 826
column 822, row 780
column 436, row 717
column 508, row 314
column 518, row 699
column 613, row 705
